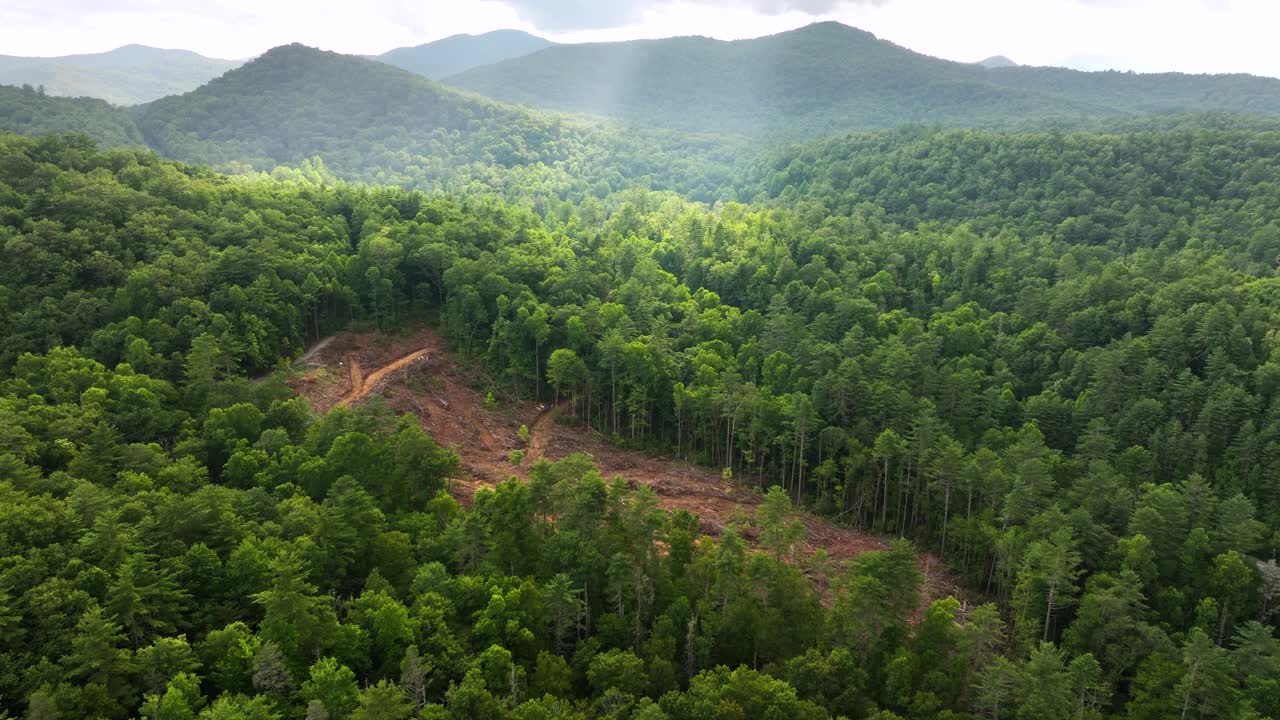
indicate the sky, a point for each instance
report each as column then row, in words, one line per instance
column 1142, row 35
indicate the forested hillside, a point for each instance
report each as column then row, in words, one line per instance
column 371, row 122
column 829, row 77
column 1069, row 399
column 1127, row 189
column 28, row 111
column 1147, row 92
column 813, row 81
column 459, row 53
column 295, row 102
column 128, row 75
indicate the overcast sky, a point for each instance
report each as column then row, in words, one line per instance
column 1142, row 35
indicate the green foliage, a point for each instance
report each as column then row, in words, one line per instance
column 1070, row 406
column 27, row 111
column 333, row 686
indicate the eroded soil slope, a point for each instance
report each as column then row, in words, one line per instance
column 416, row 374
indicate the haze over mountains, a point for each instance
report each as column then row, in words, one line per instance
column 125, row 76
column 829, row 77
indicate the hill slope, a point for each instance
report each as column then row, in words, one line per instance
column 819, row 79
column 128, row 75
column 28, row 112
column 830, row 77
column 459, row 53
column 296, row 102
column 1159, row 93
column 373, row 122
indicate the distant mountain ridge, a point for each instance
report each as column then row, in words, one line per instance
column 459, row 53
column 823, row 78
column 128, row 75
column 828, row 77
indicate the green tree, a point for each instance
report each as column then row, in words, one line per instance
column 383, row 701
column 333, row 685
column 780, row 531
column 567, row 373
column 1047, row 581
column 1207, row 687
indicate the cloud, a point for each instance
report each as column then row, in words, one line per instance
column 570, row 15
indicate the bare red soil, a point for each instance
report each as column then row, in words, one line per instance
column 417, row 374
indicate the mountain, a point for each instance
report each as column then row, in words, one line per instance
column 128, row 75
column 997, row 61
column 459, row 53
column 30, row 112
column 819, row 79
column 295, row 102
column 829, row 77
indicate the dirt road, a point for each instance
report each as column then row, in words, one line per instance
column 363, row 386
column 540, row 433
column 316, row 349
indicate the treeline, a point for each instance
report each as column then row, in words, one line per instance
column 1084, row 431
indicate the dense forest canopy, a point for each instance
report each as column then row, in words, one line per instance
column 31, row 110
column 1023, row 337
column 1133, row 188
column 1083, row 430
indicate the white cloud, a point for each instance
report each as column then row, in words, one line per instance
column 1141, row 35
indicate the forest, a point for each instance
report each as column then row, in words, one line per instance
column 1049, row 359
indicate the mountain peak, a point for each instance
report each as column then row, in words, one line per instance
column 831, row 28
column 127, row 75
column 459, row 53
column 293, row 48
column 997, row 61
